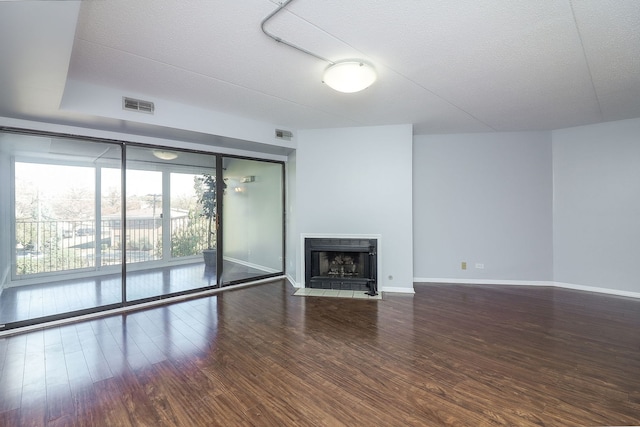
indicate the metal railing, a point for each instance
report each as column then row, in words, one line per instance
column 50, row 246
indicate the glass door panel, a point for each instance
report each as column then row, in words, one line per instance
column 166, row 231
column 252, row 219
column 188, row 225
column 110, row 218
column 55, row 217
column 193, row 225
column 143, row 233
column 50, row 240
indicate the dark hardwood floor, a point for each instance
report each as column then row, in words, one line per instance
column 259, row 356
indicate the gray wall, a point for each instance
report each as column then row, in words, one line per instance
column 358, row 181
column 483, row 198
column 597, row 205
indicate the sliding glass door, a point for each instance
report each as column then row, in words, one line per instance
column 252, row 219
column 53, row 243
column 88, row 225
column 166, row 228
column 110, row 190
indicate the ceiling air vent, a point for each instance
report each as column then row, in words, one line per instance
column 137, row 105
column 284, row 134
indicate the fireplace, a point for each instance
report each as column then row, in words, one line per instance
column 345, row 264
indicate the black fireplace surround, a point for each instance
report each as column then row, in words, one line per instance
column 339, row 263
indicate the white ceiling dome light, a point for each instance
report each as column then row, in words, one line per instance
column 349, row 76
column 165, row 155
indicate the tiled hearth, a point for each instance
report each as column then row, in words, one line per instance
column 335, row 293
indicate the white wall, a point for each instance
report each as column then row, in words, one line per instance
column 99, row 101
column 597, row 205
column 358, row 181
column 293, row 256
column 483, row 198
column 5, row 217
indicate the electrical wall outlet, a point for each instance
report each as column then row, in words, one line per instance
column 463, row 265
column 479, row 265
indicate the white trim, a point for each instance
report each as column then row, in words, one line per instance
column 484, row 282
column 304, row 236
column 562, row 285
column 293, row 281
column 617, row 292
column 251, row 265
column 394, row 290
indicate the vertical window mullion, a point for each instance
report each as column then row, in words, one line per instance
column 123, row 221
column 219, row 220
column 98, row 219
column 166, row 215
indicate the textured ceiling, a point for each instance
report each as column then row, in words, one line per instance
column 446, row 66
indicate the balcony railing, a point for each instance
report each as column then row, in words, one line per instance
column 50, row 246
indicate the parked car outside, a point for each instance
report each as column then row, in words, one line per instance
column 86, row 231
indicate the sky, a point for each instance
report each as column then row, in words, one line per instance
column 53, row 180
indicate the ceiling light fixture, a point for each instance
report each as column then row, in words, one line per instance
column 349, row 76
column 344, row 76
column 165, row 155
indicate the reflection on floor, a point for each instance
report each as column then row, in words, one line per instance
column 22, row 303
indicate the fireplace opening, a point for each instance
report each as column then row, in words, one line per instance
column 341, row 264
column 345, row 264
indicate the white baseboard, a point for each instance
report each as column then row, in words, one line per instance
column 617, row 292
column 393, row 289
column 252, row 265
column 293, row 281
column 483, row 281
column 596, row 289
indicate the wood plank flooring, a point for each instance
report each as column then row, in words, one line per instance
column 451, row 355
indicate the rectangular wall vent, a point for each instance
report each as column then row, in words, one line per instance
column 131, row 104
column 284, row 134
